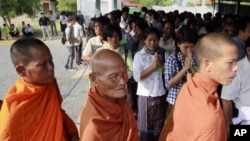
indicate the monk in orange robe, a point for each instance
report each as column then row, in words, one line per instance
column 107, row 115
column 197, row 113
column 31, row 110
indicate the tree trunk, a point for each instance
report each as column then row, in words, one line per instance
column 7, row 20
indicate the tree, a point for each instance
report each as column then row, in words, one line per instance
column 12, row 8
column 66, row 5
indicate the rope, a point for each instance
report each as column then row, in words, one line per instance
column 69, row 92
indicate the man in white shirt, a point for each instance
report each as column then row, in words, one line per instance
column 78, row 34
column 52, row 19
column 70, row 43
column 63, row 21
column 238, row 92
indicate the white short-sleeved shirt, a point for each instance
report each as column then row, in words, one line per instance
column 69, row 31
column 93, row 44
column 78, row 33
column 239, row 90
column 168, row 45
column 153, row 84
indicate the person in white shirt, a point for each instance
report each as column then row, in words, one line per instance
column 238, row 93
column 78, row 34
column 95, row 42
column 29, row 31
column 124, row 18
column 63, row 21
column 70, row 43
column 148, row 73
column 52, row 19
column 167, row 42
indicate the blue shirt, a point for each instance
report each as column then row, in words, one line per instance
column 171, row 69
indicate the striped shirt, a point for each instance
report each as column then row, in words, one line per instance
column 171, row 69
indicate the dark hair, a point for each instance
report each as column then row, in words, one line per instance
column 110, row 29
column 144, row 9
column 102, row 20
column 71, row 18
column 141, row 23
column 116, row 15
column 125, row 9
column 241, row 24
column 20, row 49
column 151, row 30
column 185, row 34
column 248, row 42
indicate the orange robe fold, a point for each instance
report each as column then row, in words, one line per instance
column 1, row 102
column 33, row 113
column 197, row 114
column 102, row 120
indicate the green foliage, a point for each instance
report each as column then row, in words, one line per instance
column 190, row 4
column 150, row 3
column 13, row 8
column 66, row 5
column 165, row 2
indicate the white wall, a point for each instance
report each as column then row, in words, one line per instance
column 87, row 7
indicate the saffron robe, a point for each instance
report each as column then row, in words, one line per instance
column 102, row 120
column 197, row 113
column 33, row 113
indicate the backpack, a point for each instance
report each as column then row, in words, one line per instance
column 64, row 38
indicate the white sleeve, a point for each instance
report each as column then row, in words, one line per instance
column 232, row 90
column 137, row 67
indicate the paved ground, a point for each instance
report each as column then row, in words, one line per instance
column 73, row 85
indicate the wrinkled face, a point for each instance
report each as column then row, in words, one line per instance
column 114, row 40
column 152, row 41
column 40, row 70
column 112, row 80
column 186, row 47
column 168, row 29
column 224, row 69
column 98, row 29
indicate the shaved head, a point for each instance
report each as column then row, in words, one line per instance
column 210, row 46
column 109, row 74
column 103, row 58
column 20, row 50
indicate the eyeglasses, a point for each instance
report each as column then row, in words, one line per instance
column 115, row 78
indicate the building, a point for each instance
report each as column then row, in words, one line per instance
column 91, row 8
column 48, row 5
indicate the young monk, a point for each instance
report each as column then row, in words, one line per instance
column 197, row 113
column 107, row 115
column 32, row 109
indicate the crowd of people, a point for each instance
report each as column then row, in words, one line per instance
column 154, row 76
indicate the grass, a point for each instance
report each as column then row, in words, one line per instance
column 36, row 28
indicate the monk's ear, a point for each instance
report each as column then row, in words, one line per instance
column 20, row 69
column 92, row 78
column 207, row 64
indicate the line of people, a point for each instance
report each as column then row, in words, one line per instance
column 157, row 81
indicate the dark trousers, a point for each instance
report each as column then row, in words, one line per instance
column 78, row 54
column 132, row 97
column 169, row 108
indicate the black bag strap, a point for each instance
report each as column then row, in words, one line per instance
column 184, row 79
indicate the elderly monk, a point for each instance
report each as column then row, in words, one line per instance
column 31, row 110
column 106, row 115
column 197, row 113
